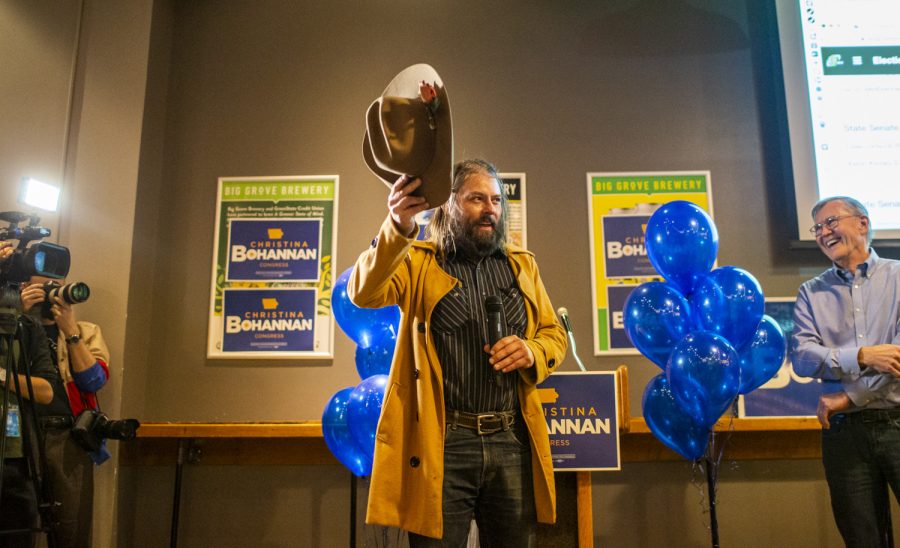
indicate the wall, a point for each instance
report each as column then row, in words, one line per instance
column 36, row 47
column 550, row 89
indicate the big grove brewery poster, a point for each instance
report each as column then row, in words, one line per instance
column 272, row 268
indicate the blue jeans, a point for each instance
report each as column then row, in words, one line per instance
column 489, row 478
column 861, row 455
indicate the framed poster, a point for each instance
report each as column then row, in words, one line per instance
column 516, row 222
column 620, row 204
column 273, row 252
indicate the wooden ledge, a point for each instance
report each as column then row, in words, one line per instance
column 313, row 428
column 301, row 442
column 781, row 438
column 274, row 429
column 754, row 424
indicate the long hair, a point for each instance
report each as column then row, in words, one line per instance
column 444, row 224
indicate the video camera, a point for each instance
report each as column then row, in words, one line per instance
column 40, row 259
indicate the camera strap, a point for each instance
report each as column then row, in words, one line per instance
column 13, row 421
column 11, row 442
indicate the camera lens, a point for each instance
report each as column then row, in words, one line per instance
column 73, row 293
column 122, row 429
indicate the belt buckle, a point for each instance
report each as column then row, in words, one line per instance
column 481, row 431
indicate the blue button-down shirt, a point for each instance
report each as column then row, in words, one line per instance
column 836, row 314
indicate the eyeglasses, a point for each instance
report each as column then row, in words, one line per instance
column 831, row 223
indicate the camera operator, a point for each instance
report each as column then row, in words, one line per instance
column 18, row 499
column 81, row 355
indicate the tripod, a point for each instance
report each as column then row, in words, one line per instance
column 22, row 420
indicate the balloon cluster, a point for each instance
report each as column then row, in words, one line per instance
column 351, row 415
column 705, row 329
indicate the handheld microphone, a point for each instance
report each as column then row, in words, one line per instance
column 493, row 306
column 564, row 318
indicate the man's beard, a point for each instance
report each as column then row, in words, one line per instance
column 474, row 242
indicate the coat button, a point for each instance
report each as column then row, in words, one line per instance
column 420, row 327
column 551, row 363
column 416, row 373
column 414, row 462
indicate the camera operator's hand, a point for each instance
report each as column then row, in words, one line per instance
column 32, row 294
column 6, row 250
column 64, row 315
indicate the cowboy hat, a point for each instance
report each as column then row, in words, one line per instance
column 409, row 132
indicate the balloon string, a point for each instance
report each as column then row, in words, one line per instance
column 696, row 470
column 729, row 432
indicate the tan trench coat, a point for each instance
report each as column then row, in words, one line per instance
column 408, row 468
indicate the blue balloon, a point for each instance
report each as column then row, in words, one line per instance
column 704, row 372
column 657, row 316
column 729, row 302
column 682, row 243
column 763, row 356
column 670, row 424
column 362, row 325
column 364, row 410
column 376, row 359
column 338, row 438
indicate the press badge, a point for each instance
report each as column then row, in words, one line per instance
column 13, row 425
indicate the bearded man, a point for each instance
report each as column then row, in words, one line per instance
column 462, row 433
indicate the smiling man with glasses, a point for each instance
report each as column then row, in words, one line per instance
column 846, row 329
column 830, row 223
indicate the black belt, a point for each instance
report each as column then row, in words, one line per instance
column 58, row 422
column 874, row 415
column 482, row 423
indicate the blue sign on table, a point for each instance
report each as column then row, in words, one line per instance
column 286, row 250
column 272, row 320
column 786, row 394
column 581, row 409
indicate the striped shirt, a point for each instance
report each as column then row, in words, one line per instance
column 459, row 327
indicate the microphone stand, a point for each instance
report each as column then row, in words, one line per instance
column 564, row 317
column 574, row 350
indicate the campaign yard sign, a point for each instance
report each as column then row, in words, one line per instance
column 286, row 250
column 581, row 410
column 787, row 394
column 272, row 320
